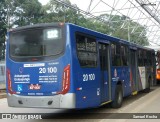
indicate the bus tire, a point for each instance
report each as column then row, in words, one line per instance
column 117, row 103
column 158, row 81
column 147, row 90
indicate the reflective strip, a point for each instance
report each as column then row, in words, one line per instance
column 106, row 102
column 134, row 93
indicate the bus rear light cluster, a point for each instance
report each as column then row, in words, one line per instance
column 158, row 71
column 65, row 80
column 10, row 82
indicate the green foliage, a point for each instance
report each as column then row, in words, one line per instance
column 3, row 29
column 18, row 13
column 27, row 12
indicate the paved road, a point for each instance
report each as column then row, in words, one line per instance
column 141, row 103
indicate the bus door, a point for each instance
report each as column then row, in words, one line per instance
column 133, row 71
column 104, row 57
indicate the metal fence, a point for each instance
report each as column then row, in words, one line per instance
column 2, row 75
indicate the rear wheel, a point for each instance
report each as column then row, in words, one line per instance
column 158, row 82
column 117, row 103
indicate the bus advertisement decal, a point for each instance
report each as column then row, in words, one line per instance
column 22, row 78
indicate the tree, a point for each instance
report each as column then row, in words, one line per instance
column 57, row 12
column 17, row 13
column 27, row 12
column 3, row 29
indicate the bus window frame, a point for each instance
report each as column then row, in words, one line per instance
column 39, row 58
column 119, row 54
column 96, row 52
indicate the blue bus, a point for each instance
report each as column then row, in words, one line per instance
column 62, row 65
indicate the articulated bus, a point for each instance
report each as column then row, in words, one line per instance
column 62, row 65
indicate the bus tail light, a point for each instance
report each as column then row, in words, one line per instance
column 158, row 74
column 158, row 71
column 10, row 82
column 65, row 80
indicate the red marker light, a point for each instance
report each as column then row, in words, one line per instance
column 10, row 82
column 65, row 80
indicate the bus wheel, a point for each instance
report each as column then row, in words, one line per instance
column 147, row 90
column 117, row 102
column 158, row 82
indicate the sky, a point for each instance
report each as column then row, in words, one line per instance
column 43, row 1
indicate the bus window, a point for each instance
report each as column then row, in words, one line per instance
column 140, row 58
column 36, row 42
column 116, row 57
column 149, row 58
column 86, row 50
column 124, row 55
column 103, row 56
column 145, row 58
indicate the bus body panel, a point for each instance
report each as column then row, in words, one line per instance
column 66, row 101
column 46, row 78
column 90, row 95
column 86, row 90
column 123, row 74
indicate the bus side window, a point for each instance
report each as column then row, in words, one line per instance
column 124, row 55
column 113, row 54
column 149, row 58
column 116, row 57
column 145, row 58
column 86, row 50
column 140, row 58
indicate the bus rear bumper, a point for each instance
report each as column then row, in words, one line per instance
column 58, row 101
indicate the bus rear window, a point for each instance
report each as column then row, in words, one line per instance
column 86, row 50
column 36, row 42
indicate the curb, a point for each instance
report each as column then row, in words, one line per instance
column 3, row 95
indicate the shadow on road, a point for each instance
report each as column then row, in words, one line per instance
column 102, row 112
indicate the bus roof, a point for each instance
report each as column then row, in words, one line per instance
column 99, row 34
column 36, row 25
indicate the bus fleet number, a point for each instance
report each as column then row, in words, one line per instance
column 48, row 70
column 88, row 77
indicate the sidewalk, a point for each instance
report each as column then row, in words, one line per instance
column 2, row 85
column 2, row 93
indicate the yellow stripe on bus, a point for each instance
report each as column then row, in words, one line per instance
column 106, row 102
column 134, row 93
